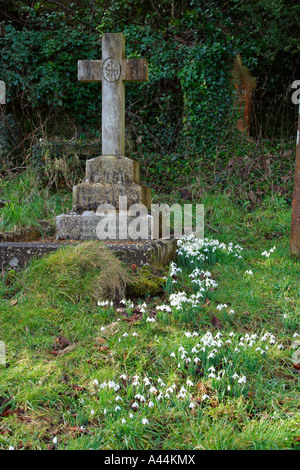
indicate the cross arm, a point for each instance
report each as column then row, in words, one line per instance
column 135, row 70
column 90, row 71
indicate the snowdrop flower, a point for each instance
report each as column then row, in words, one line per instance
column 151, row 404
column 249, row 272
column 205, row 397
column 235, row 376
column 152, row 389
column 12, row 448
column 191, row 405
column 130, row 415
column 221, row 306
column 105, row 411
column 189, row 383
column 123, row 421
column 123, row 376
column 196, row 360
column 95, row 382
column 117, row 408
column 135, row 405
column 146, row 381
column 145, row 421
column 54, row 440
column 242, row 380
column 151, row 320
column 118, row 398
column 92, row 412
column 134, row 334
column 125, row 334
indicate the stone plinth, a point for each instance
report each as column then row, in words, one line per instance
column 17, row 255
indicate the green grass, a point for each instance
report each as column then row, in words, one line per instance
column 29, row 202
column 59, row 342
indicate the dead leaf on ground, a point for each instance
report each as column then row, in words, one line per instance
column 216, row 323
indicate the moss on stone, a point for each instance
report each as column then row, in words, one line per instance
column 145, row 283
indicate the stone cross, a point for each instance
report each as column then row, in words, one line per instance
column 113, row 70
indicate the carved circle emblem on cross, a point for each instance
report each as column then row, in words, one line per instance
column 111, row 69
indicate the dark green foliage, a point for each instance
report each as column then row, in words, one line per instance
column 184, row 116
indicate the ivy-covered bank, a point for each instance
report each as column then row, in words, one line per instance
column 186, row 112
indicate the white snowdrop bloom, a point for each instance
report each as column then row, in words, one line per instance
column 118, row 398
column 151, row 404
column 231, row 333
column 54, row 440
column 130, row 415
column 142, row 398
column 212, row 375
column 136, row 377
column 187, row 360
column 92, row 412
column 150, row 320
column 103, row 385
column 119, row 340
column 188, row 334
column 191, row 405
column 249, row 272
column 212, row 369
column 236, row 350
column 189, row 383
column 134, row 334
column 295, row 334
column 95, row 382
column 228, row 341
column 196, row 360
column 211, row 355
column 235, row 376
column 205, row 397
column 159, row 397
column 242, row 380
column 125, row 334
column 102, row 328
column 135, row 405
column 123, row 421
column 135, row 383
column 231, row 311
column 194, row 350
column 280, row 346
column 123, row 376
column 117, row 408
column 228, row 388
column 105, row 411
column 12, row 448
column 152, row 389
column 221, row 306
column 142, row 310
column 145, row 421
